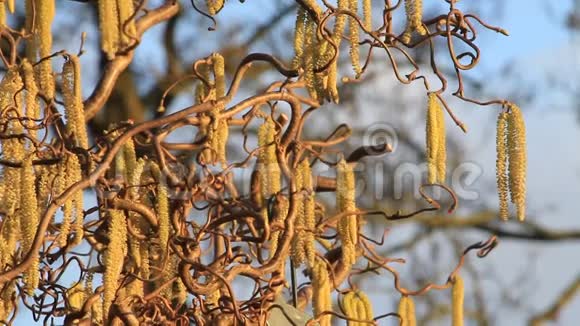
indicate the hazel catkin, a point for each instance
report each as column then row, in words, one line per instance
column 436, row 141
column 457, row 297
column 501, row 165
column 321, row 286
column 517, row 160
column 345, row 200
column 414, row 13
column 114, row 256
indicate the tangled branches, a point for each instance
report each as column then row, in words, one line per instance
column 160, row 231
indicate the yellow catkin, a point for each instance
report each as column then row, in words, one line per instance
column 114, row 256
column 134, row 181
column 214, row 6
column 407, row 311
column 162, row 208
column 457, row 297
column 29, row 220
column 298, row 253
column 32, row 105
column 12, row 148
column 202, row 90
column 309, row 213
column 127, row 31
column 501, row 165
column 517, row 160
column 219, row 75
column 403, row 312
column 67, row 208
column 281, row 213
column 367, row 14
column 44, row 17
column 414, row 12
column 7, row 293
column 299, row 36
column 442, row 143
column 345, row 200
column 353, row 38
column 322, row 289
column 412, row 319
column 31, row 45
column 267, row 160
column 74, row 175
column 309, row 57
column 73, row 102
column 218, row 132
column 436, row 142
column 11, row 5
column 76, row 296
column 366, row 306
column 69, row 174
column 109, row 27
column 2, row 14
column 332, row 77
column 348, row 305
column 303, row 242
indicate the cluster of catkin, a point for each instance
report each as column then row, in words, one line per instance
column 117, row 25
column 25, row 190
column 436, row 141
column 216, row 130
column 414, row 12
column 313, row 52
column 511, row 161
column 356, row 305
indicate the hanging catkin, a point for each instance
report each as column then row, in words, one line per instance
column 367, row 14
column 32, row 107
column 162, row 208
column 303, row 242
column 353, row 38
column 127, row 31
column 516, row 141
column 109, row 27
column 2, row 14
column 10, row 177
column 267, row 160
column 406, row 311
column 44, row 17
column 73, row 102
column 436, row 141
column 345, row 200
column 457, row 297
column 299, row 37
column 321, row 288
column 29, row 220
column 501, row 165
column 114, row 256
column 279, row 216
column 309, row 57
column 414, row 12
